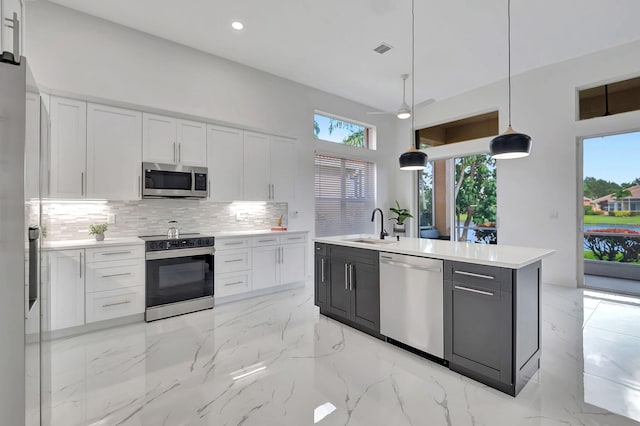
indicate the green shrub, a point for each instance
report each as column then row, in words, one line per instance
column 622, row 213
column 588, row 210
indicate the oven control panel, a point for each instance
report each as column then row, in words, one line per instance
column 180, row 243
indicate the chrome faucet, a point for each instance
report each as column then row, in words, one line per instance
column 383, row 233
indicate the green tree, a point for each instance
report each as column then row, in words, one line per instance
column 316, row 128
column 356, row 136
column 475, row 191
column 596, row 188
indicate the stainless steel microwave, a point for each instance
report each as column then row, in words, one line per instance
column 173, row 181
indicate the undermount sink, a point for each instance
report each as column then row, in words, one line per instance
column 370, row 240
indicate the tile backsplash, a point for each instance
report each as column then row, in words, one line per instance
column 70, row 220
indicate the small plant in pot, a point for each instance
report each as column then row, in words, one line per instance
column 402, row 214
column 98, row 230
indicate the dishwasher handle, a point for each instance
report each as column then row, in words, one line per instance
column 409, row 266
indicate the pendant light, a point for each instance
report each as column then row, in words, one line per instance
column 413, row 159
column 510, row 144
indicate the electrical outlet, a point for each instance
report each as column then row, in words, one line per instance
column 111, row 218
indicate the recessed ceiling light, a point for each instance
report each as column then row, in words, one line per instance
column 237, row 25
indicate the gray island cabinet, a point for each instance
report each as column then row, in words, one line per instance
column 491, row 300
column 492, row 323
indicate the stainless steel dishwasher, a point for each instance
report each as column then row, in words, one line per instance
column 411, row 301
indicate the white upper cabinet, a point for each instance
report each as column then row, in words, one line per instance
column 168, row 140
column 114, row 153
column 284, row 159
column 257, row 167
column 225, row 163
column 192, row 143
column 68, row 148
column 159, row 139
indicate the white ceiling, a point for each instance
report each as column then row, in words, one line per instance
column 327, row 44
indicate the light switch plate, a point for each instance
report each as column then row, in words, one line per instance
column 111, row 218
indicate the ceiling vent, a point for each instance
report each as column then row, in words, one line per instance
column 383, row 48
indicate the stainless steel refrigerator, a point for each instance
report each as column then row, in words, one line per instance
column 20, row 335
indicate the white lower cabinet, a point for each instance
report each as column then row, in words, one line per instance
column 248, row 265
column 95, row 284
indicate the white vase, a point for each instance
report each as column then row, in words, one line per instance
column 99, row 237
column 399, row 229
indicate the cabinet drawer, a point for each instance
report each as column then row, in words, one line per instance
column 114, row 275
column 115, row 253
column 482, row 276
column 266, row 240
column 231, row 243
column 354, row 254
column 293, row 238
column 232, row 261
column 234, row 283
column 111, row 304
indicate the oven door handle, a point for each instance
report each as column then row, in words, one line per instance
column 172, row 254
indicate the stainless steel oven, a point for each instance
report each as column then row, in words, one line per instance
column 170, row 180
column 179, row 275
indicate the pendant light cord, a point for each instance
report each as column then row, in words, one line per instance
column 413, row 74
column 509, row 53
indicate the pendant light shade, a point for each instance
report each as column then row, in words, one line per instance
column 413, row 160
column 510, row 144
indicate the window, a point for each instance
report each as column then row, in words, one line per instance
column 345, row 195
column 333, row 129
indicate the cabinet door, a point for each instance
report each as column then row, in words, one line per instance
column 293, row 259
column 68, row 148
column 225, row 163
column 365, row 300
column 265, row 267
column 114, row 153
column 284, row 160
column 257, row 168
column 66, row 291
column 192, row 143
column 321, row 281
column 478, row 336
column 339, row 299
column 159, row 139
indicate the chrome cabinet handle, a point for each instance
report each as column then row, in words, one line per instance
column 233, row 260
column 322, row 270
column 82, row 184
column 80, row 264
column 346, row 276
column 110, row 253
column 473, row 290
column 209, row 189
column 174, row 152
column 266, row 241
column 282, row 255
column 116, row 275
column 471, row 274
column 233, row 244
column 179, row 152
column 116, row 304
column 233, row 283
column 139, row 186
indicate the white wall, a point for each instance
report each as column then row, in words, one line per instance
column 538, row 202
column 76, row 54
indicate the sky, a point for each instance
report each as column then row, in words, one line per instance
column 614, row 158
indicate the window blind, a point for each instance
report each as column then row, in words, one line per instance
column 345, row 195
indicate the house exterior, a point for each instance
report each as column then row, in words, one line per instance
column 609, row 202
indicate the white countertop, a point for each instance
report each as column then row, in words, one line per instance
column 90, row 243
column 513, row 257
column 255, row 232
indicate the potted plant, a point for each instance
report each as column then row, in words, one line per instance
column 98, row 230
column 402, row 214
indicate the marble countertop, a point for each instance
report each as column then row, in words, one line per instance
column 254, row 232
column 90, row 243
column 485, row 254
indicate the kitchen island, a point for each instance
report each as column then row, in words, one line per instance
column 484, row 300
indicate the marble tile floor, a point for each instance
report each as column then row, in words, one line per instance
column 274, row 360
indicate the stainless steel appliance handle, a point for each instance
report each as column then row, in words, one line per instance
column 193, row 180
column 346, row 276
column 322, row 270
column 473, row 290
column 116, row 304
column 408, row 266
column 171, row 254
column 116, row 275
column 471, row 274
